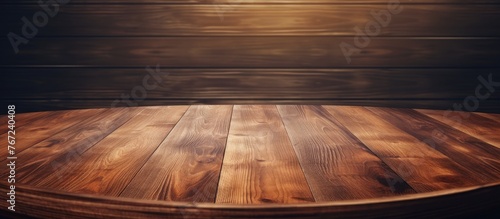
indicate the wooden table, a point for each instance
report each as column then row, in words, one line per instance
column 263, row 161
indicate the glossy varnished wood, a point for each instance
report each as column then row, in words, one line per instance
column 468, row 151
column 337, row 165
column 188, row 161
column 402, row 152
column 267, row 161
column 64, row 148
column 260, row 165
column 119, row 156
column 475, row 125
column 35, row 119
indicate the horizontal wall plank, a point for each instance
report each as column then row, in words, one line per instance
column 238, row 2
column 81, row 83
column 30, row 105
column 255, row 52
column 245, row 20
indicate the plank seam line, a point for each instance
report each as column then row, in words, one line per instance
column 462, row 133
column 296, row 153
column 224, row 154
column 135, row 114
column 354, row 137
column 77, row 123
column 149, row 157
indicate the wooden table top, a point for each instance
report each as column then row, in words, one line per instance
column 252, row 155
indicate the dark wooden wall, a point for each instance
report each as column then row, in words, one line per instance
column 94, row 52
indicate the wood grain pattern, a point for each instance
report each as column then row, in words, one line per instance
column 45, row 104
column 40, row 128
column 234, row 2
column 82, row 83
column 186, row 165
column 21, row 120
column 479, row 201
column 405, row 154
column 492, row 116
column 109, row 166
column 48, row 159
column 337, row 166
column 474, row 125
column 477, row 156
column 260, row 165
column 276, row 159
column 254, row 52
column 253, row 20
column 251, row 35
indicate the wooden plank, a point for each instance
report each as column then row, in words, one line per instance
column 260, row 165
column 254, row 52
column 107, row 167
column 422, row 167
column 21, row 120
column 243, row 2
column 45, row 127
column 492, row 116
column 187, row 163
column 336, row 165
column 477, row 201
column 245, row 20
column 479, row 158
column 444, row 104
column 75, row 83
column 472, row 124
column 49, row 158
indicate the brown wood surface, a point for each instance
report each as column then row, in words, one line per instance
column 260, row 165
column 254, row 20
column 186, row 166
column 21, row 120
column 45, row 104
column 405, row 154
column 336, row 164
column 493, row 116
column 274, row 157
column 439, row 45
column 466, row 203
column 235, row 2
column 43, row 127
column 254, row 52
column 475, row 125
column 90, row 87
column 49, row 158
column 337, row 83
column 480, row 158
column 119, row 156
